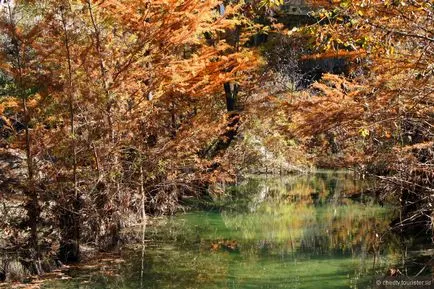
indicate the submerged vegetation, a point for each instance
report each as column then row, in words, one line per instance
column 113, row 111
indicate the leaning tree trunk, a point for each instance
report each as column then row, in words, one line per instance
column 233, row 107
column 233, row 122
column 231, row 93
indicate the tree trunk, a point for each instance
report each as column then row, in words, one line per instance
column 69, row 250
column 70, row 218
column 32, row 206
column 233, row 107
column 231, row 93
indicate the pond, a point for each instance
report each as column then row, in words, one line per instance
column 266, row 232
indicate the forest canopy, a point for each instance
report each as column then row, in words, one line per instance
column 114, row 110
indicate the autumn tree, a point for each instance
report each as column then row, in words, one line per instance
column 383, row 116
column 22, row 92
column 128, row 94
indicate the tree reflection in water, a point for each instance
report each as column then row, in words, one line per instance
column 292, row 232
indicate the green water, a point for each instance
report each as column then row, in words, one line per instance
column 292, row 232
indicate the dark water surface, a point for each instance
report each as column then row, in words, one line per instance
column 292, row 232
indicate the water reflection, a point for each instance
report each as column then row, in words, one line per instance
column 292, row 232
